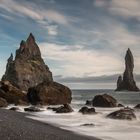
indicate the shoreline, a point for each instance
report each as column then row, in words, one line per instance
column 16, row 126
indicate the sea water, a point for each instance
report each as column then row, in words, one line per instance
column 104, row 128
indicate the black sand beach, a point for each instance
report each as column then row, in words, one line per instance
column 15, row 126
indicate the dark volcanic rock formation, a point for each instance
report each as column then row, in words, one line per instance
column 123, row 114
column 49, row 94
column 137, row 106
column 28, row 72
column 3, row 102
column 12, row 94
column 28, row 69
column 127, row 82
column 104, row 100
column 66, row 108
column 32, row 109
column 86, row 110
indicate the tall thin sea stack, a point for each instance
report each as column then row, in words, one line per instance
column 127, row 82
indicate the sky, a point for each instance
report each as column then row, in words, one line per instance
column 82, row 41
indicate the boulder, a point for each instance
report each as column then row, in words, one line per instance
column 127, row 83
column 32, row 109
column 120, row 105
column 3, row 102
column 88, row 124
column 22, row 103
column 123, row 114
column 86, row 110
column 137, row 106
column 104, row 100
column 49, row 94
column 14, row 109
column 88, row 102
column 28, row 68
column 11, row 94
column 66, row 108
column 53, row 108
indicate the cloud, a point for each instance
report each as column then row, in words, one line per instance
column 18, row 9
column 76, row 61
column 6, row 17
column 54, row 16
column 125, row 8
column 100, row 3
column 52, row 29
column 47, row 19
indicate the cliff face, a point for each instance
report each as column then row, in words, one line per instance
column 28, row 69
column 128, row 82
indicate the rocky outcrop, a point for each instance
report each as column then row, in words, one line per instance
column 14, row 109
column 3, row 102
column 49, row 94
column 88, row 103
column 28, row 68
column 32, row 109
column 66, row 108
column 11, row 94
column 120, row 105
column 88, row 124
column 123, row 114
column 127, row 83
column 104, row 100
column 28, row 72
column 86, row 110
column 137, row 106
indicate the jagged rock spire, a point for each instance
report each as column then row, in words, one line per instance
column 30, row 39
column 10, row 59
column 28, row 69
column 28, row 49
column 127, row 83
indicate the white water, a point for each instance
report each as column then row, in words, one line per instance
column 107, row 129
column 104, row 128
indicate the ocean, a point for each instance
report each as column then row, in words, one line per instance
column 104, row 128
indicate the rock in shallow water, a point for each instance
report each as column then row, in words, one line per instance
column 88, row 124
column 14, row 109
column 123, row 114
column 104, row 100
column 32, row 109
column 86, row 110
column 66, row 108
column 88, row 102
column 137, row 106
column 120, row 105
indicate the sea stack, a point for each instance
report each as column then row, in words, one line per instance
column 127, row 82
column 28, row 69
column 29, row 73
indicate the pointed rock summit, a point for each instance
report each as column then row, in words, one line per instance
column 28, row 69
column 28, row 72
column 127, row 82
